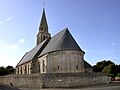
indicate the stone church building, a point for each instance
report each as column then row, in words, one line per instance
column 57, row 54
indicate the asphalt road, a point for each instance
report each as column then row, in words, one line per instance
column 87, row 88
column 8, row 88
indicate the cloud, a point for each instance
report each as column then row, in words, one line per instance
column 21, row 40
column 14, row 46
column 10, row 47
column 1, row 22
column 9, row 18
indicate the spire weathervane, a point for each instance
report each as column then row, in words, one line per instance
column 43, row 4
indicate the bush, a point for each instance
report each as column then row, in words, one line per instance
column 118, row 75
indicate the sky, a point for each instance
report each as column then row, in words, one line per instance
column 94, row 24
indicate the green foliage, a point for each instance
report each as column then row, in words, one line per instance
column 96, row 68
column 6, row 70
column 111, row 75
column 107, row 67
column 3, row 71
column 10, row 69
column 100, row 65
column 118, row 75
column 109, row 70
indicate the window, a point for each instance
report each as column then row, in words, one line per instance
column 39, row 67
column 45, row 29
column 21, row 70
column 18, row 70
column 28, row 69
column 25, row 71
column 43, row 65
column 41, row 28
column 44, row 38
column 76, row 67
column 58, row 67
column 80, row 53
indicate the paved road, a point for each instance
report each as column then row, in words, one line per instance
column 90, row 88
column 8, row 88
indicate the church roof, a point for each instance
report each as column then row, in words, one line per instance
column 61, row 41
column 87, row 65
column 31, row 54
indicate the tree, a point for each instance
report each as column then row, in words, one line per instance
column 105, row 69
column 109, row 70
column 101, row 65
column 3, row 71
column 6, row 70
column 10, row 69
column 96, row 68
column 118, row 75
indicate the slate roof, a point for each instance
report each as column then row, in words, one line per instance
column 43, row 22
column 87, row 65
column 61, row 41
column 31, row 54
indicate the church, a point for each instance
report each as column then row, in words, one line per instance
column 57, row 54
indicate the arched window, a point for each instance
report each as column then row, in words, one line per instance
column 58, row 67
column 41, row 28
column 76, row 67
column 44, row 38
column 43, row 65
column 18, row 70
column 39, row 67
column 25, row 70
column 28, row 69
column 21, row 70
column 45, row 29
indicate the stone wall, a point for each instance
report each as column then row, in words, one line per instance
column 29, row 81
column 55, row 80
column 74, row 80
column 67, row 61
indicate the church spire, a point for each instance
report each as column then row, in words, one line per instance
column 43, row 29
column 43, row 24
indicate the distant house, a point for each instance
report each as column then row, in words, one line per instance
column 57, row 54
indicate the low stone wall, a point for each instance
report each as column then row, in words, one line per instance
column 29, row 81
column 55, row 80
column 74, row 80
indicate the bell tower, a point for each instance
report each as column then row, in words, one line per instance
column 43, row 29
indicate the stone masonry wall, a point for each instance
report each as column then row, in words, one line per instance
column 68, row 61
column 55, row 80
column 28, row 80
column 74, row 80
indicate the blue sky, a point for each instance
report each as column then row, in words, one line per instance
column 95, row 25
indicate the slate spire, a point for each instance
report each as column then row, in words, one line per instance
column 43, row 24
column 43, row 29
